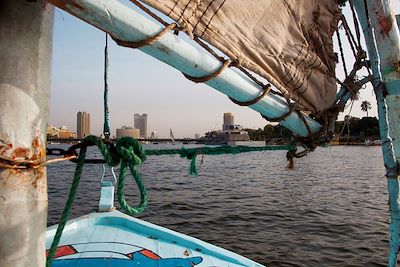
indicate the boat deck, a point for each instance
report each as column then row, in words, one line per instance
column 115, row 239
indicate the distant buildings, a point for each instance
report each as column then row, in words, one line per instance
column 140, row 122
column 197, row 136
column 128, row 131
column 62, row 132
column 83, row 124
column 154, row 135
column 229, row 121
column 229, row 135
column 52, row 131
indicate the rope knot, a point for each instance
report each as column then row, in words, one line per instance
column 130, row 150
column 129, row 153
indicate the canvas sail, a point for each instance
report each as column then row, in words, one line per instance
column 287, row 42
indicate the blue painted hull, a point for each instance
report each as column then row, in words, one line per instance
column 113, row 239
column 142, row 261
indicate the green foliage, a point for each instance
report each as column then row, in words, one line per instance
column 364, row 127
column 367, row 126
column 256, row 135
column 282, row 132
column 359, row 128
column 269, row 132
column 365, row 106
column 338, row 127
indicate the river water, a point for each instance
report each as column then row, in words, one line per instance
column 330, row 211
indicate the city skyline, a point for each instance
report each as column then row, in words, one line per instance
column 228, row 122
column 139, row 130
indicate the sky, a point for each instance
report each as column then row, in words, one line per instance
column 139, row 83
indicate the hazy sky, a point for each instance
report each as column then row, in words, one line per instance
column 138, row 83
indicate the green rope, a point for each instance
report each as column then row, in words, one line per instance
column 132, row 155
column 106, row 126
column 191, row 153
column 68, row 206
column 129, row 153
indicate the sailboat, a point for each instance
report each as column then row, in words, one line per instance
column 288, row 43
column 171, row 135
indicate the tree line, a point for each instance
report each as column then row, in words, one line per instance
column 352, row 128
column 357, row 129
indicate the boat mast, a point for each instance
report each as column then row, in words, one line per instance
column 26, row 47
column 382, row 38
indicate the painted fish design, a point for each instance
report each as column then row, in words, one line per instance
column 141, row 258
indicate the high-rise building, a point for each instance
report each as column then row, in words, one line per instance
column 82, row 124
column 140, row 122
column 229, row 122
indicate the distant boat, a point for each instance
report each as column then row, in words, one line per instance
column 226, row 137
column 171, row 134
column 369, row 142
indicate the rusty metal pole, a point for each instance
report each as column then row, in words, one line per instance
column 25, row 59
column 382, row 39
column 387, row 39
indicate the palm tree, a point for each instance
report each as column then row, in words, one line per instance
column 365, row 106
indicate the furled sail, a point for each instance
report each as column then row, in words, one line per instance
column 288, row 42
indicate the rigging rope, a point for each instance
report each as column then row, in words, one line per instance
column 342, row 53
column 106, row 128
column 356, row 25
column 191, row 153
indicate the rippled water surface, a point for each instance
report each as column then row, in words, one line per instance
column 331, row 211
